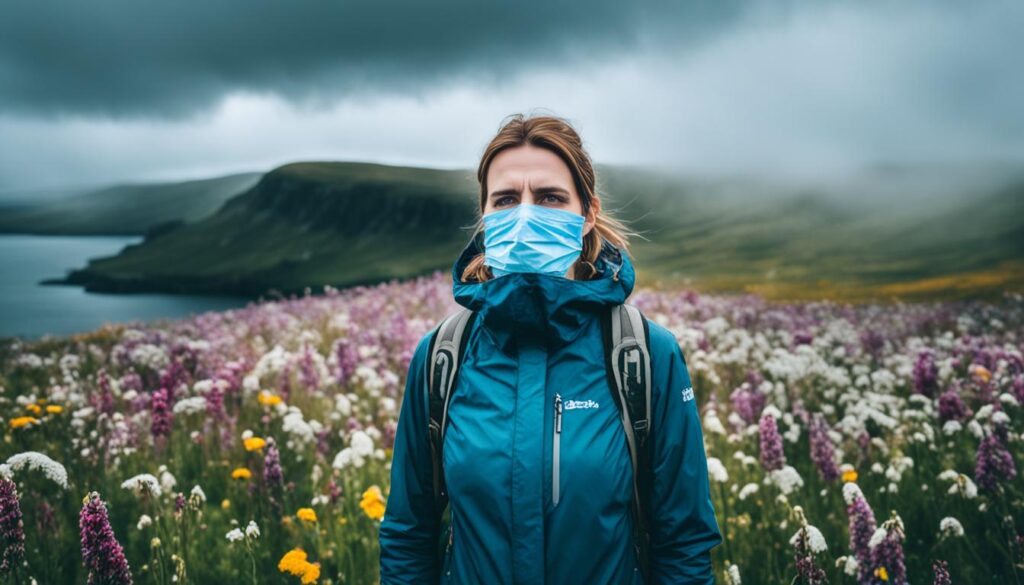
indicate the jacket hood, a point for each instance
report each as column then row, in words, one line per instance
column 544, row 309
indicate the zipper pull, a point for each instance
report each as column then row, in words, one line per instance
column 558, row 413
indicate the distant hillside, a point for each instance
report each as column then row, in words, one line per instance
column 132, row 209
column 304, row 224
column 918, row 234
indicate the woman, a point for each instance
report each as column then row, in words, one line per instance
column 543, row 265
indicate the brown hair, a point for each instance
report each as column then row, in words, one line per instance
column 558, row 136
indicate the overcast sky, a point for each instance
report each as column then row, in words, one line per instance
column 119, row 90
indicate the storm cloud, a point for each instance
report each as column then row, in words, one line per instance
column 124, row 58
column 116, row 90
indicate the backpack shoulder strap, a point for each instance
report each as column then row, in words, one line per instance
column 446, row 349
column 626, row 337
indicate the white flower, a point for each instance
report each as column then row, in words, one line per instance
column 851, row 492
column 361, row 443
column 295, row 425
column 850, row 565
column 252, row 530
column 190, row 405
column 713, row 424
column 35, row 460
column 143, row 483
column 347, row 457
column 716, row 471
column 167, row 481
column 952, row 427
column 962, row 484
column 732, row 575
column 198, row 493
column 950, row 526
column 787, row 479
column 748, row 490
column 877, row 537
column 815, row 539
column 235, row 535
column 144, row 521
column 342, row 404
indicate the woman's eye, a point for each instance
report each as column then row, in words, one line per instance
column 498, row 202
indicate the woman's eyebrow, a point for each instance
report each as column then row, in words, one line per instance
column 539, row 190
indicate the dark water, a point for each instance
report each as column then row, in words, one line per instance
column 31, row 310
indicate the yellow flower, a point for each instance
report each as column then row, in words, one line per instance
column 307, row 514
column 981, row 372
column 342, row 520
column 54, row 409
column 254, row 443
column 225, row 504
column 850, row 475
column 241, row 473
column 35, row 408
column 268, row 399
column 294, row 562
column 312, row 573
column 882, row 574
column 21, row 421
column 373, row 502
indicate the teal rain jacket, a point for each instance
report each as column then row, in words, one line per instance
column 538, row 336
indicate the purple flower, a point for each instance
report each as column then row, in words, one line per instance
column 862, row 526
column 105, row 400
column 307, row 368
column 951, row 406
column 926, row 374
column 12, row 529
column 941, row 570
column 994, row 462
column 347, row 357
column 1018, row 389
column 772, row 457
column 888, row 553
column 102, row 555
column 806, row 568
column 173, row 376
column 162, row 416
column 747, row 402
column 822, row 450
column 803, row 338
column 272, row 473
column 872, row 341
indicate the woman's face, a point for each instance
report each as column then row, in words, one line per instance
column 537, row 176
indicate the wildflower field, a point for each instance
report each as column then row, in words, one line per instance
column 846, row 444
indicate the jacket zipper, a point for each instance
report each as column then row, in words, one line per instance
column 556, row 448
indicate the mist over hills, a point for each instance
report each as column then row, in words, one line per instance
column 924, row 232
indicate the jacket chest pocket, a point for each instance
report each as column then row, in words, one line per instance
column 556, row 451
column 588, row 449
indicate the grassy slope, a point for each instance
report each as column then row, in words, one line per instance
column 308, row 224
column 124, row 209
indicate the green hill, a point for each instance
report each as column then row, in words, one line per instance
column 920, row 233
column 132, row 209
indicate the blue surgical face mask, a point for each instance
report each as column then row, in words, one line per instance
column 532, row 238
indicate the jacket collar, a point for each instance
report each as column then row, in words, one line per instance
column 541, row 309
